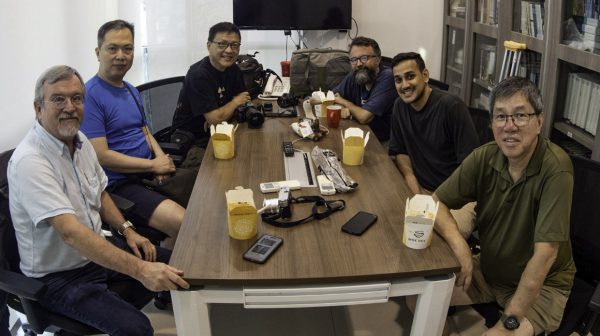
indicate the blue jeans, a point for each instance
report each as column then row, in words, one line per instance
column 102, row 298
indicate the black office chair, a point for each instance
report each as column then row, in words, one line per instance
column 583, row 306
column 481, row 119
column 434, row 83
column 24, row 292
column 438, row 84
column 159, row 99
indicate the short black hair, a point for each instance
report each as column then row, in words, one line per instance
column 514, row 85
column 223, row 27
column 362, row 41
column 401, row 57
column 114, row 25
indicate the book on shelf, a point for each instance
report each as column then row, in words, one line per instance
column 487, row 62
column 532, row 18
column 487, row 12
column 458, row 8
column 582, row 103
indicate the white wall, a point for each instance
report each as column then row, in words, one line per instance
column 36, row 34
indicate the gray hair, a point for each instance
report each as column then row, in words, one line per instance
column 53, row 75
column 513, row 85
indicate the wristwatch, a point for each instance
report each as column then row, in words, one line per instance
column 510, row 322
column 124, row 227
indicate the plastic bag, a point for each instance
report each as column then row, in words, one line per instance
column 572, row 36
column 329, row 165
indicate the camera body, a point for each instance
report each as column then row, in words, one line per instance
column 287, row 100
column 254, row 116
column 281, row 205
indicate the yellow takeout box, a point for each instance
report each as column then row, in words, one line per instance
column 222, row 137
column 419, row 218
column 354, row 140
column 241, row 213
column 326, row 99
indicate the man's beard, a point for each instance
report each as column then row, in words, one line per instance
column 364, row 76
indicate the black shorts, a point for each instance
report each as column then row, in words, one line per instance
column 146, row 201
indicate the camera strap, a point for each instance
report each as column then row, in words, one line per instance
column 321, row 208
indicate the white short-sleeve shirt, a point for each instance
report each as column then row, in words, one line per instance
column 44, row 181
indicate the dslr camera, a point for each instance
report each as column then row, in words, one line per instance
column 287, row 100
column 281, row 205
column 254, row 116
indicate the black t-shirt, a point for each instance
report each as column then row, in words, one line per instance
column 436, row 139
column 205, row 89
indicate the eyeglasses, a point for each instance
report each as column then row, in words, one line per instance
column 363, row 58
column 519, row 119
column 223, row 45
column 61, row 101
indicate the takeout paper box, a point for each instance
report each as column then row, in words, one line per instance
column 419, row 217
column 222, row 137
column 326, row 99
column 241, row 213
column 354, row 140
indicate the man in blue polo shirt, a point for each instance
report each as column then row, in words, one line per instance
column 367, row 93
column 116, row 127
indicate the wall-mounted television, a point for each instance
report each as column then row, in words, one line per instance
column 292, row 14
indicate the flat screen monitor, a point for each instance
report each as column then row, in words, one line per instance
column 292, row 14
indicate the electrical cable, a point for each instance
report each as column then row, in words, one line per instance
column 356, row 34
column 294, row 42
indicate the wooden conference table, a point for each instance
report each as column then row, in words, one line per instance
column 317, row 265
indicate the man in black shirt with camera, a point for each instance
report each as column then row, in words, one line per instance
column 213, row 89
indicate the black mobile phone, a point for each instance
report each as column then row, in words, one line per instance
column 358, row 224
column 263, row 248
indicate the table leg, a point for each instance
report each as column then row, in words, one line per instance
column 191, row 314
column 432, row 306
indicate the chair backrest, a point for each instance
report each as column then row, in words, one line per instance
column 9, row 255
column 434, row 83
column 159, row 99
column 585, row 218
column 481, row 119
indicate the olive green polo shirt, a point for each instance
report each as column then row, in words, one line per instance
column 512, row 216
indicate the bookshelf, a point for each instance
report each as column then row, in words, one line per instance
column 562, row 58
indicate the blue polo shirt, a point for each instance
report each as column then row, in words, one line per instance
column 112, row 112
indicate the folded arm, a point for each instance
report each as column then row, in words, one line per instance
column 360, row 114
column 225, row 112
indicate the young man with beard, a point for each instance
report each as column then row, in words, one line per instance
column 116, row 127
column 58, row 203
column 431, row 132
column 523, row 185
column 214, row 87
column 367, row 93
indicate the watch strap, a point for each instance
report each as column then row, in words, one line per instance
column 124, row 227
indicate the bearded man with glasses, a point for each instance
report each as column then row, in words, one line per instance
column 523, row 186
column 213, row 88
column 367, row 93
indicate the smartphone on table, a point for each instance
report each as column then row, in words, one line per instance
column 358, row 224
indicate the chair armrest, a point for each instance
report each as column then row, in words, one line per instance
column 123, row 204
column 595, row 300
column 172, row 147
column 21, row 286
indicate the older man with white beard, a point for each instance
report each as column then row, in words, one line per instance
column 58, row 203
column 368, row 92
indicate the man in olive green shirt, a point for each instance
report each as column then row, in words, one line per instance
column 523, row 187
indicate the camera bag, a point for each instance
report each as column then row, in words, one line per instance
column 255, row 76
column 314, row 69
